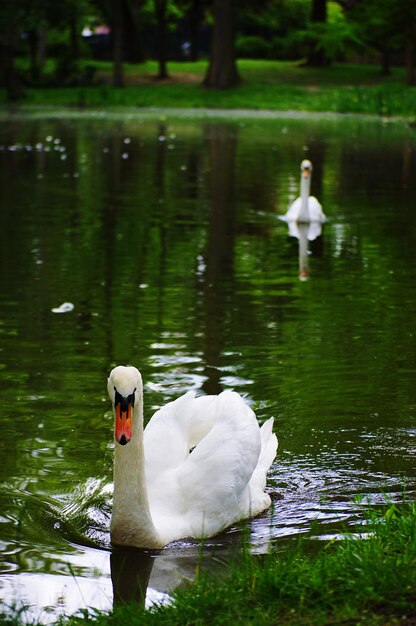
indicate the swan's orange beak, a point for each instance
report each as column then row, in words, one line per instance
column 123, row 418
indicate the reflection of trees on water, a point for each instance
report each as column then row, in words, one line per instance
column 95, row 238
column 317, row 147
column 219, row 252
column 99, row 236
column 407, row 161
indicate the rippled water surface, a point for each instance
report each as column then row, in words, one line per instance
column 155, row 240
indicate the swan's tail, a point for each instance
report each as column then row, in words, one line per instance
column 269, row 445
column 259, row 499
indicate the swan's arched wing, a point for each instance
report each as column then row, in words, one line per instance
column 199, row 492
column 175, row 429
column 213, row 482
column 315, row 210
column 316, row 213
column 164, row 444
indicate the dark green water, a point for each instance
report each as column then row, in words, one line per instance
column 163, row 234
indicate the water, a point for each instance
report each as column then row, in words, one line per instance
column 154, row 240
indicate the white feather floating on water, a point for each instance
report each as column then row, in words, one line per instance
column 66, row 307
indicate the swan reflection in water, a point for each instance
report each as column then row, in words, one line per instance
column 305, row 233
column 130, row 575
column 147, row 577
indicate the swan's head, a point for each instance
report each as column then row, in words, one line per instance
column 306, row 168
column 124, row 388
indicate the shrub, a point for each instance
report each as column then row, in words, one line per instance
column 252, row 47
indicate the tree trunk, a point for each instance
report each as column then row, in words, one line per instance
column 73, row 36
column 316, row 56
column 11, row 78
column 33, row 41
column 194, row 17
column 319, row 11
column 410, row 62
column 221, row 150
column 118, row 32
column 42, row 46
column 160, row 7
column 133, row 32
column 385, row 62
column 222, row 70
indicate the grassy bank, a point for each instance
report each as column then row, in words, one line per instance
column 367, row 581
column 271, row 85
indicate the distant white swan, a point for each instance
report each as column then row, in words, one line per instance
column 306, row 208
column 198, row 467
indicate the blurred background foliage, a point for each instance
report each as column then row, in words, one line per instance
column 44, row 43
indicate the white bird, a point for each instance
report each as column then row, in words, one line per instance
column 198, row 467
column 306, row 208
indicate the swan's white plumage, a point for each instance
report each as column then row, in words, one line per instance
column 315, row 211
column 305, row 208
column 205, row 466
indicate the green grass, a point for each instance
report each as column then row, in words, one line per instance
column 367, row 581
column 267, row 85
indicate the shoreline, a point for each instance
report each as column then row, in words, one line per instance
column 84, row 112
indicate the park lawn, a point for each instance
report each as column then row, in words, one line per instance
column 266, row 85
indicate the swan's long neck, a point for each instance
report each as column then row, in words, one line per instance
column 305, row 184
column 131, row 521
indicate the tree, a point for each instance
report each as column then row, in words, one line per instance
column 375, row 28
column 134, row 51
column 403, row 13
column 9, row 33
column 161, row 19
column 388, row 26
column 195, row 15
column 222, row 69
column 18, row 18
column 117, row 30
column 316, row 56
column 125, row 20
column 193, row 12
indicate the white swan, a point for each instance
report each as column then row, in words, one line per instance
column 198, row 467
column 306, row 208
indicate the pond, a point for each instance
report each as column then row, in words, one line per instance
column 154, row 240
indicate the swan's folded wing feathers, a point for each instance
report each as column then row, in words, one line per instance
column 175, row 429
column 221, row 481
column 164, row 442
column 214, row 480
column 315, row 210
column 203, row 416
